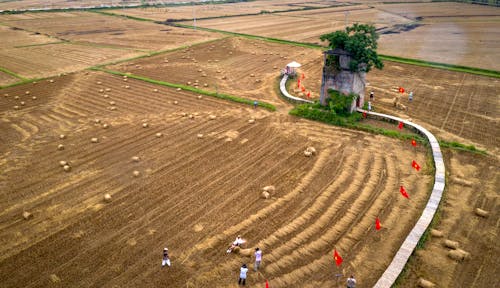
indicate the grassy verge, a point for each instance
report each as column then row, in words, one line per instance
column 153, row 54
column 458, row 68
column 224, row 96
column 461, row 147
column 41, row 44
column 6, row 71
column 99, row 11
column 308, row 111
column 24, row 81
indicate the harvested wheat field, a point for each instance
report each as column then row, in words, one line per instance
column 193, row 188
column 106, row 30
column 238, row 66
column 217, row 10
column 66, row 4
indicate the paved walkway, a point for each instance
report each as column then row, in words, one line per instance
column 399, row 261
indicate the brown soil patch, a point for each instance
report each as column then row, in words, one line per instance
column 209, row 186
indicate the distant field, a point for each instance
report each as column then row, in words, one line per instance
column 106, row 30
column 55, row 4
column 217, row 10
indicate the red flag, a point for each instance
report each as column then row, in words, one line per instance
column 303, row 76
column 364, row 114
column 308, row 94
column 403, row 192
column 415, row 165
column 401, row 90
column 377, row 224
column 267, row 284
column 298, row 83
column 400, row 125
column 413, row 143
column 303, row 89
column 336, row 256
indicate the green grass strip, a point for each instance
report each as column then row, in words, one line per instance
column 462, row 147
column 249, row 36
column 451, row 67
column 6, row 71
column 150, row 54
column 233, row 98
column 121, row 15
column 41, row 44
column 24, row 81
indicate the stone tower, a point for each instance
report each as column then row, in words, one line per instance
column 339, row 77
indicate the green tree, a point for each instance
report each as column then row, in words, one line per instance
column 359, row 40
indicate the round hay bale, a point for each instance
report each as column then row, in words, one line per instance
column 450, row 244
column 258, row 80
column 51, row 81
column 6, row 95
column 184, row 114
column 158, row 135
column 106, row 96
column 205, row 85
column 27, row 215
column 22, row 103
column 252, row 75
column 34, row 98
column 425, row 283
column 224, row 77
column 145, row 125
column 127, row 87
column 200, row 97
column 265, row 195
column 458, row 255
column 99, row 82
column 312, row 150
column 54, row 278
column 199, row 70
column 67, row 168
column 436, row 233
column 212, row 117
column 275, row 67
column 97, row 121
column 125, row 79
column 308, row 153
column 269, row 188
column 155, row 90
column 105, row 126
column 107, row 198
column 60, row 147
column 112, row 103
column 27, row 92
column 199, row 136
column 136, row 173
column 203, row 75
column 125, row 76
column 94, row 140
column 189, row 83
column 63, row 163
column 112, row 108
column 101, row 90
column 16, row 107
column 178, row 89
column 191, row 116
column 175, row 102
column 251, row 121
column 62, row 136
column 265, row 60
column 16, row 97
column 107, row 89
column 482, row 213
column 136, row 158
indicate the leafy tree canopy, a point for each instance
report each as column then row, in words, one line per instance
column 359, row 40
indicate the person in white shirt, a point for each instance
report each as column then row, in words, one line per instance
column 243, row 275
column 351, row 282
column 258, row 259
column 236, row 243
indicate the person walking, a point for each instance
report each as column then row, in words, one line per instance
column 369, row 106
column 243, row 275
column 255, row 104
column 351, row 282
column 166, row 259
column 258, row 259
column 372, row 96
column 410, row 96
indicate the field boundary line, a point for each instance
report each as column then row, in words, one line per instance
column 7, row 71
column 224, row 96
column 41, row 44
column 405, row 251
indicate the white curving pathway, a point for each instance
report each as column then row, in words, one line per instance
column 399, row 261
